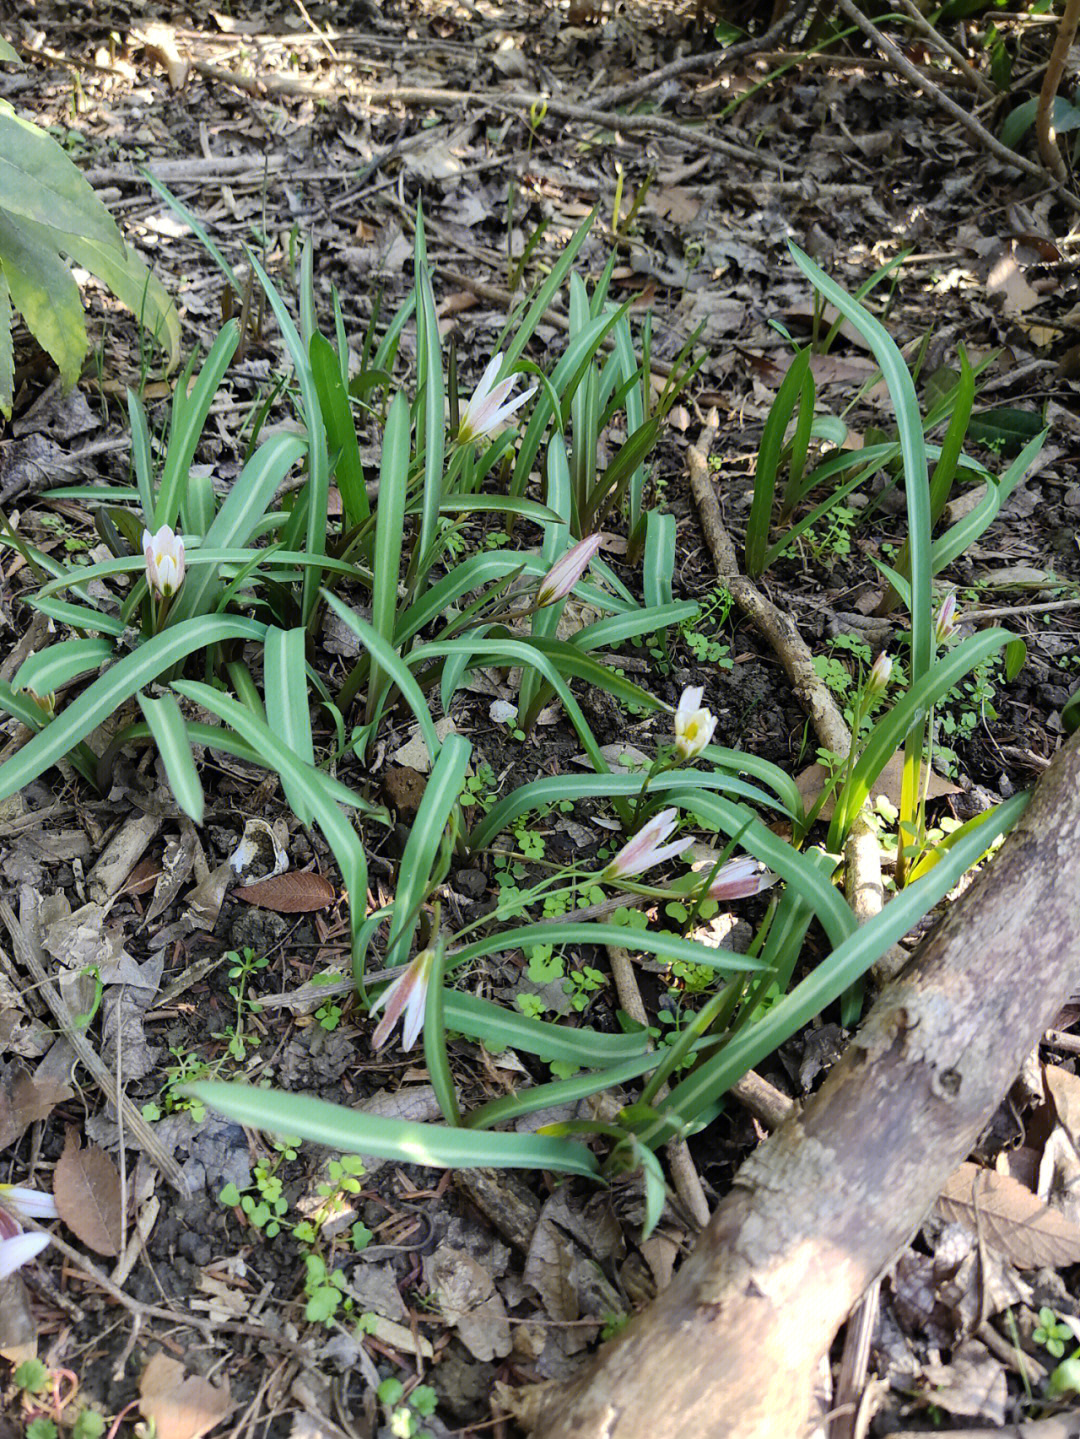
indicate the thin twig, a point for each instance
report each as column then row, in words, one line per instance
column 713, row 60
column 26, row 952
column 903, row 66
column 537, row 102
column 923, row 25
column 684, row 1175
column 777, row 628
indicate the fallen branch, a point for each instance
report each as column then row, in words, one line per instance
column 825, row 1205
column 777, row 628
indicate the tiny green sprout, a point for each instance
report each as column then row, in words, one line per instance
column 423, row 1399
column 32, row 1377
column 41, row 1428
column 1050, row 1334
column 324, row 1290
column 229, row 1195
column 89, row 1424
column 581, row 985
column 361, row 1236
column 544, row 964
column 328, row 1015
column 390, row 1391
column 614, row 1324
column 1065, row 1378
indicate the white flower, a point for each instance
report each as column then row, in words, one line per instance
column 407, row 995
column 647, row 847
column 164, row 553
column 740, row 878
column 489, row 406
column 693, row 725
column 567, row 570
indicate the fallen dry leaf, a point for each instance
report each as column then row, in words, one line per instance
column 289, row 893
column 182, row 1406
column 26, row 1100
column 811, row 782
column 1064, row 1089
column 86, row 1188
column 1010, row 1218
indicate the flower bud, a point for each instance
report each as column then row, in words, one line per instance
column 945, row 624
column 566, row 571
column 878, row 679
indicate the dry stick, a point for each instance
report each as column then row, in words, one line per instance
column 785, row 639
column 1048, row 146
column 903, row 66
column 865, row 893
column 684, row 1175
column 713, row 60
column 824, row 1206
column 26, row 952
column 515, row 100
column 923, row 25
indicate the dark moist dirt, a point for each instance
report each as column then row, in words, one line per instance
column 713, row 256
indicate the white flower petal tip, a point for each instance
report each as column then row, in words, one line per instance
column 31, row 1203
column 490, row 405
column 164, row 555
column 740, row 878
column 567, row 570
column 19, row 1250
column 647, row 847
column 406, row 996
column 694, row 725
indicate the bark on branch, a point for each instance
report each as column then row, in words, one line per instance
column 732, row 1346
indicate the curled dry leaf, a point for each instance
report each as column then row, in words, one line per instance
column 295, row 893
column 1010, row 1218
column 182, row 1406
column 86, row 1188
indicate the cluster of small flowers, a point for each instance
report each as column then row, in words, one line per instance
column 406, row 997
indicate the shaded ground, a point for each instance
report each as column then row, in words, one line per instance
column 268, row 133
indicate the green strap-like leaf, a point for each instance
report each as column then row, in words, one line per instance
column 308, row 783
column 350, row 1132
column 109, row 691
column 58, row 664
column 287, row 710
column 170, row 735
